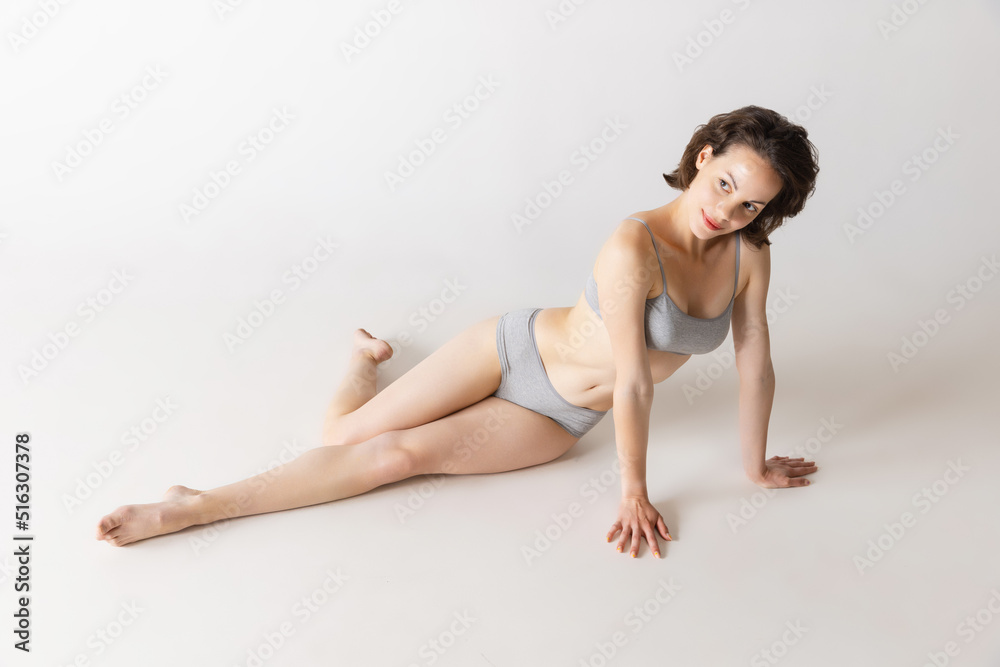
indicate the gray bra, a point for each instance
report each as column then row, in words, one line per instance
column 670, row 329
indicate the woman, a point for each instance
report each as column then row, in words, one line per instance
column 520, row 389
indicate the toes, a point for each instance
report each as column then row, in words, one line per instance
column 109, row 522
column 121, row 540
column 113, row 533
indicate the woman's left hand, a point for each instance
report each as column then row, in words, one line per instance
column 781, row 471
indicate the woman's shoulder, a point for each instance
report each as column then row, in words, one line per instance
column 627, row 244
column 755, row 263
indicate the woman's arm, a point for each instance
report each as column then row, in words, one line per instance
column 631, row 417
column 752, row 342
column 623, row 281
column 756, row 399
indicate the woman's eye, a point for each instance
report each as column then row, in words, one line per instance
column 752, row 209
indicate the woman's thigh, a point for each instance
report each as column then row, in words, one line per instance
column 491, row 435
column 461, row 372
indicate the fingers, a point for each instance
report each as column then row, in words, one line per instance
column 615, row 527
column 637, row 526
column 634, row 535
column 793, row 478
column 628, row 534
column 663, row 529
column 797, row 466
column 654, row 545
column 624, row 538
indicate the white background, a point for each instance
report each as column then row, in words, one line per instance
column 842, row 304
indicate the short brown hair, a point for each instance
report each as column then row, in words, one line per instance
column 783, row 144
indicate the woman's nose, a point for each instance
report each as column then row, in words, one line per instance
column 723, row 214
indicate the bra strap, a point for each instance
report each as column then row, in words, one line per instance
column 663, row 276
column 739, row 242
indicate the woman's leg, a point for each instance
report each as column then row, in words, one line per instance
column 316, row 476
column 358, row 385
column 492, row 435
column 464, row 370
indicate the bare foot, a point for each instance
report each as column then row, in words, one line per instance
column 376, row 348
column 131, row 523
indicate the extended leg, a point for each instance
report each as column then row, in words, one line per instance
column 316, row 476
column 492, row 435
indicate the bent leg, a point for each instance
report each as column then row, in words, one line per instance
column 358, row 385
column 461, row 372
column 493, row 435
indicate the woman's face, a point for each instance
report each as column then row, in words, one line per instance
column 730, row 190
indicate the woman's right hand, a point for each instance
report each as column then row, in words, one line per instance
column 636, row 518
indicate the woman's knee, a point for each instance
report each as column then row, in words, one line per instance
column 333, row 435
column 338, row 430
column 393, row 458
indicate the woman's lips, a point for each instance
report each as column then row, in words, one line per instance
column 708, row 221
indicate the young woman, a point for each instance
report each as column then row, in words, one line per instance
column 520, row 389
